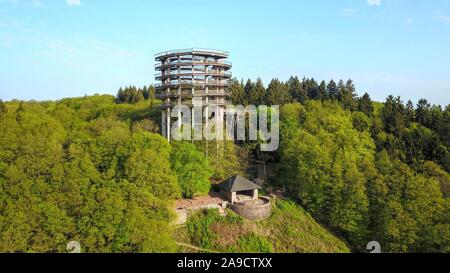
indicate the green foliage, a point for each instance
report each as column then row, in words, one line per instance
column 312, row 88
column 296, row 90
column 199, row 227
column 2, row 107
column 95, row 170
column 327, row 163
column 360, row 121
column 255, row 92
column 133, row 95
column 289, row 230
column 365, row 104
column 73, row 170
column 148, row 170
column 223, row 157
column 332, row 90
column 431, row 169
column 292, row 230
column 253, row 243
column 193, row 170
column 322, row 160
column 146, row 125
column 409, row 207
column 277, row 93
column 237, row 93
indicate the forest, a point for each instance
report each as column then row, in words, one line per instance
column 94, row 169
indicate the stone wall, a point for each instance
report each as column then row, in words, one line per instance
column 250, row 212
column 183, row 214
column 253, row 212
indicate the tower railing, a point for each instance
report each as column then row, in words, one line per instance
column 191, row 50
column 193, row 63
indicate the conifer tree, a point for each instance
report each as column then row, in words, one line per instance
column 332, row 90
column 365, row 104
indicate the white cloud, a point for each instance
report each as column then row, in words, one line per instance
column 374, row 2
column 73, row 2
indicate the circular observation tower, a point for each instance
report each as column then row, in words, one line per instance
column 191, row 73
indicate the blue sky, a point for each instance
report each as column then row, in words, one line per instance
column 50, row 49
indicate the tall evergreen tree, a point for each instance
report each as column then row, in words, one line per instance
column 322, row 95
column 277, row 93
column 332, row 90
column 145, row 92
column 248, row 90
column 423, row 112
column 2, row 107
column 365, row 105
column 341, row 91
column 151, row 92
column 410, row 113
column 120, row 96
column 296, row 90
column 349, row 95
column 237, row 92
column 312, row 88
column 393, row 116
column 259, row 92
column 254, row 92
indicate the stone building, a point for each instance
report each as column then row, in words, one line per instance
column 238, row 189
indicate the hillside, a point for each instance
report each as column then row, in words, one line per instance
column 289, row 230
column 96, row 170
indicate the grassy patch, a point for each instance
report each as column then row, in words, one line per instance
column 290, row 229
column 200, row 227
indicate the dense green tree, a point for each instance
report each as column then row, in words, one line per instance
column 72, row 170
column 360, row 121
column 321, row 165
column 147, row 169
column 225, row 157
column 192, row 168
column 130, row 95
column 146, row 125
column 365, row 104
column 431, row 169
column 255, row 92
column 344, row 186
column 93, row 169
column 332, row 90
column 277, row 93
column 312, row 88
column 410, row 113
column 148, row 92
column 410, row 208
column 423, row 112
column 248, row 92
column 237, row 92
column 347, row 94
column 259, row 93
column 2, row 107
column 322, row 94
column 393, row 116
column 296, row 90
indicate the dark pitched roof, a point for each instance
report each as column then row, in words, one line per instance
column 238, row 183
